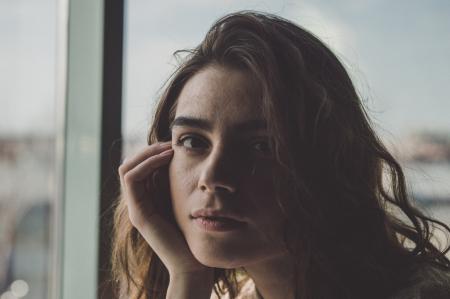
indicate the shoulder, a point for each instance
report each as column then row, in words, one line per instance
column 427, row 282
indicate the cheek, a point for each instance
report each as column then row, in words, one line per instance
column 260, row 183
column 182, row 181
column 181, row 172
column 263, row 202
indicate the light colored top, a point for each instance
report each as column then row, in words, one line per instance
column 429, row 283
column 248, row 291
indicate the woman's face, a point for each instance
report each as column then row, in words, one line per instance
column 221, row 172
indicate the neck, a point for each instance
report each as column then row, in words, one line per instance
column 273, row 277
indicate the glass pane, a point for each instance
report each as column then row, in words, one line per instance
column 27, row 142
column 397, row 56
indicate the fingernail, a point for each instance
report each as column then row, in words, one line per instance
column 166, row 144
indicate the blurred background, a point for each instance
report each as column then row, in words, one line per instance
column 397, row 52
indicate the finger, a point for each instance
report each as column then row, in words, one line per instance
column 144, row 169
column 149, row 151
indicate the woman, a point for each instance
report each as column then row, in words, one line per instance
column 263, row 178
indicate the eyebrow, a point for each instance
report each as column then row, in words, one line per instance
column 200, row 123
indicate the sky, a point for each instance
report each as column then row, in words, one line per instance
column 27, row 66
column 397, row 52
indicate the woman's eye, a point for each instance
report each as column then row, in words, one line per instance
column 192, row 143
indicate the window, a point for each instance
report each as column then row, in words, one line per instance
column 61, row 113
column 27, row 147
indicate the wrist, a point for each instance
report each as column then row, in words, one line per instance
column 191, row 285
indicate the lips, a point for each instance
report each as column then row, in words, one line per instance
column 217, row 220
column 217, row 214
column 218, row 224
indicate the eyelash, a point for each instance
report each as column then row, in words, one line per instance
column 182, row 139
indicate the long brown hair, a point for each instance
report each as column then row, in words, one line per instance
column 349, row 219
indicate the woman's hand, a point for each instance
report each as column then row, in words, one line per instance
column 163, row 237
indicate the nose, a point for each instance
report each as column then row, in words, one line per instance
column 220, row 172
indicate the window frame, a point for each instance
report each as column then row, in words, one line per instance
column 88, row 145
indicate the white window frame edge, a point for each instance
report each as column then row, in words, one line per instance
column 78, row 141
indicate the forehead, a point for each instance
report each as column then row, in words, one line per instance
column 220, row 95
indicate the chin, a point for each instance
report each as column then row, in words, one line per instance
column 218, row 256
column 215, row 262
